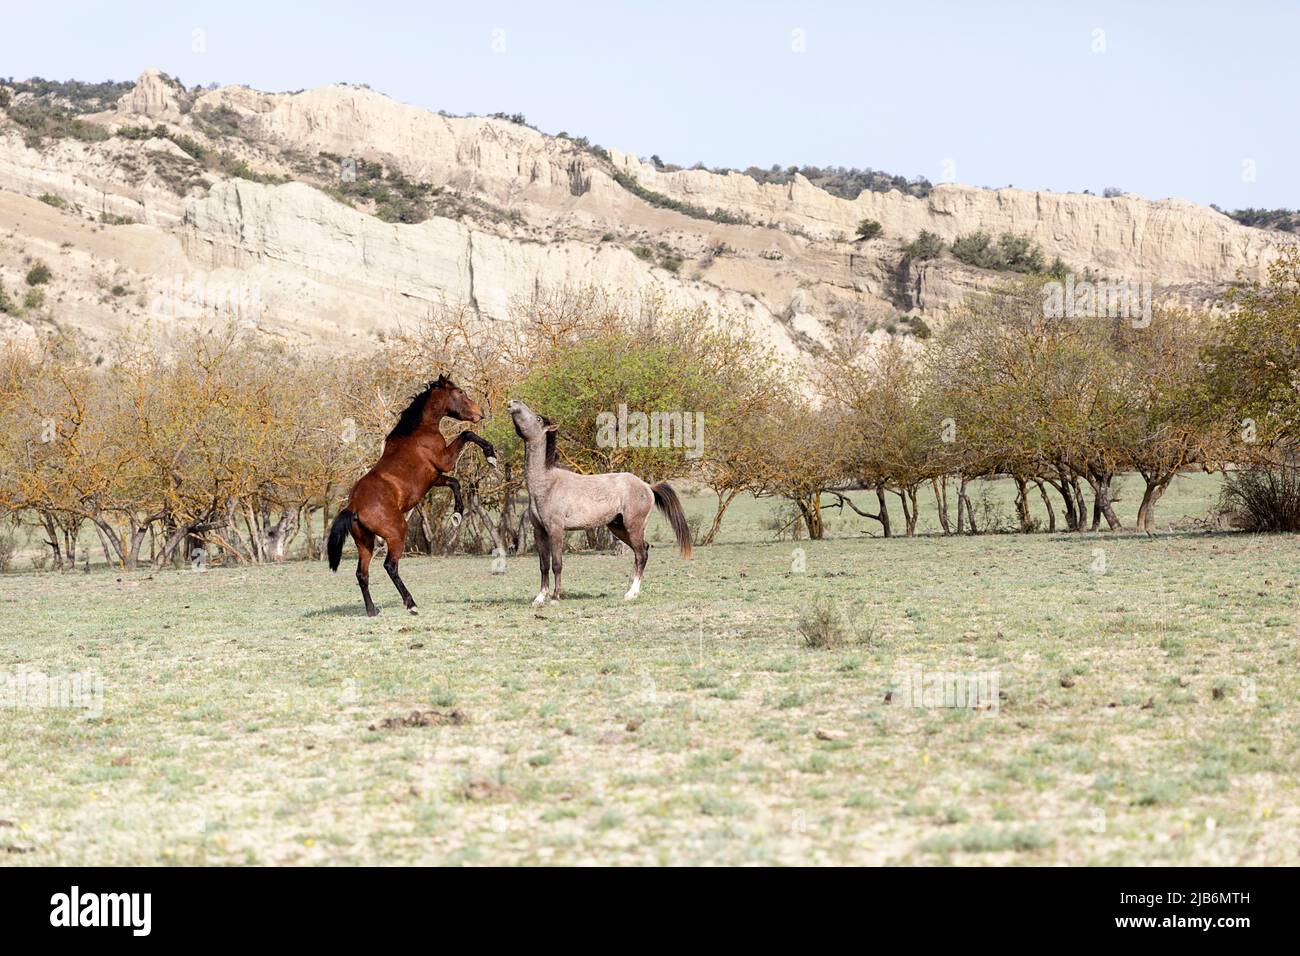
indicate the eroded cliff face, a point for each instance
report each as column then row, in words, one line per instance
column 133, row 224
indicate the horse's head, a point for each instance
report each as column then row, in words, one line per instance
column 455, row 403
column 528, row 424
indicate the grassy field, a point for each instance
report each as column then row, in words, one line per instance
column 1145, row 708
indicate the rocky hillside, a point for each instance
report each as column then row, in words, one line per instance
column 334, row 214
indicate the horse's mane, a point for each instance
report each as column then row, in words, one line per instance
column 551, row 452
column 409, row 421
column 551, row 456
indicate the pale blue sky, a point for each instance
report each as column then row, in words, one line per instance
column 1013, row 93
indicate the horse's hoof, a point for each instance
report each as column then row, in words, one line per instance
column 373, row 612
column 492, row 460
column 455, row 519
column 539, row 600
column 412, row 609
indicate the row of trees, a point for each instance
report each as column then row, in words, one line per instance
column 214, row 441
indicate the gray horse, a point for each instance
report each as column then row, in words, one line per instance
column 560, row 500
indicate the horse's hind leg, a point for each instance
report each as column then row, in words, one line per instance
column 556, row 537
column 640, row 555
column 458, row 509
column 365, row 540
column 619, row 530
column 395, row 544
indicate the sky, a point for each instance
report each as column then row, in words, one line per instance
column 1189, row 99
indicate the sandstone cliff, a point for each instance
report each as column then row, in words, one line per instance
column 139, row 224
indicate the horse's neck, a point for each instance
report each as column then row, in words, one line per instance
column 535, row 467
column 429, row 432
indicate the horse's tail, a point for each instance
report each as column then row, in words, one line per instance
column 671, row 506
column 338, row 533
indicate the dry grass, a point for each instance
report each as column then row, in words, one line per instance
column 1146, row 712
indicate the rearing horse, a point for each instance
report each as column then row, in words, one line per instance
column 416, row 458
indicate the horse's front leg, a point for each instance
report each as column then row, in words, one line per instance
column 488, row 451
column 457, row 445
column 543, row 542
column 447, row 481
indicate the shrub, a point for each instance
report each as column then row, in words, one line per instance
column 142, row 132
column 58, row 202
column 823, row 626
column 1011, row 252
column 218, row 121
column 1020, row 253
column 631, row 184
column 926, row 245
column 34, row 299
column 40, row 123
column 1263, row 498
column 39, row 274
column 847, row 183
column 869, row 229
column 75, row 95
column 916, row 325
column 7, row 305
column 1286, row 220
column 1112, row 192
column 395, row 198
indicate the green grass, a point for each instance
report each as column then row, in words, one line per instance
column 692, row 726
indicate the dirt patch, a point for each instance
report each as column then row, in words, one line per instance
column 482, row 789
column 424, row 718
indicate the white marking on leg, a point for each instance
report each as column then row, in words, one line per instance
column 539, row 600
column 634, row 590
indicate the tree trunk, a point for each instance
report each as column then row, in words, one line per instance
column 1080, row 505
column 52, row 530
column 941, row 502
column 521, row 533
column 476, row 506
column 907, row 495
column 1022, row 504
column 1101, row 503
column 962, row 518
column 724, row 502
column 971, row 526
column 884, row 511
column 1047, row 503
column 811, row 511
column 1155, row 487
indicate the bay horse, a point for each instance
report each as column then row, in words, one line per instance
column 560, row 500
column 416, row 458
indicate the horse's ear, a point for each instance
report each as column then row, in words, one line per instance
column 442, row 380
column 550, row 425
